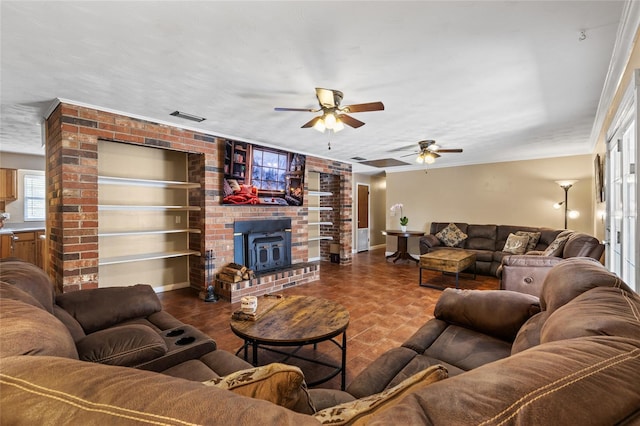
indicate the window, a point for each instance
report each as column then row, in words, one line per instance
column 269, row 169
column 34, row 197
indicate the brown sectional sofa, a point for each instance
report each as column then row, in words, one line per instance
column 571, row 357
column 487, row 242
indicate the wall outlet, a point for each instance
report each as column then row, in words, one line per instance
column 178, row 219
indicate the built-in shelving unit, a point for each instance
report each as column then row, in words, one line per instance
column 144, row 226
column 315, row 223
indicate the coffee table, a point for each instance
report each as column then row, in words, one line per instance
column 297, row 321
column 447, row 260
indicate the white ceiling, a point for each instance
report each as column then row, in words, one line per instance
column 504, row 80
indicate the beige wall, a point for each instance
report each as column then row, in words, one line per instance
column 509, row 193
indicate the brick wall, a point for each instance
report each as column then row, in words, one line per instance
column 72, row 170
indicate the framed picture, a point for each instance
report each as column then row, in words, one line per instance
column 598, row 177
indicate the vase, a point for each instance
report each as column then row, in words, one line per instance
column 403, row 228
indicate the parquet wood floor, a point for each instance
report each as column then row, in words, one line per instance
column 385, row 303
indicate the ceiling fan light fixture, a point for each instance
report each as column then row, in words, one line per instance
column 319, row 125
column 338, row 126
column 429, row 158
column 330, row 120
column 420, row 159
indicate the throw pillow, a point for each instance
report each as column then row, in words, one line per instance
column 516, row 244
column 451, row 236
column 360, row 411
column 235, row 186
column 557, row 246
column 278, row 383
column 226, row 188
column 534, row 237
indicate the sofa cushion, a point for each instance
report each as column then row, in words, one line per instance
column 100, row 308
column 534, row 237
column 572, row 277
column 30, row 279
column 10, row 291
column 278, row 383
column 361, row 411
column 451, row 236
column 127, row 345
column 529, row 334
column 516, row 244
column 600, row 311
column 29, row 330
column 481, row 237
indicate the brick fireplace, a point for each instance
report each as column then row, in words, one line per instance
column 72, row 197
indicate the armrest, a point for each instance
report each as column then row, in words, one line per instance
column 497, row 313
column 99, row 308
column 427, row 242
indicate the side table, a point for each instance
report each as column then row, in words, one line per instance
column 403, row 237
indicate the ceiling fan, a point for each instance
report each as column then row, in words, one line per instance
column 429, row 151
column 334, row 116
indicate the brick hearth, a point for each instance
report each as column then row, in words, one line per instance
column 269, row 282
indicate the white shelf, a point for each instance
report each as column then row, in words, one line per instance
column 320, row 208
column 149, row 232
column 146, row 256
column 112, row 180
column 320, row 223
column 320, row 193
column 105, row 207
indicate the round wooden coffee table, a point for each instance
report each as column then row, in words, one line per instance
column 297, row 321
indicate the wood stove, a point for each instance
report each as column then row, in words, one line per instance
column 262, row 245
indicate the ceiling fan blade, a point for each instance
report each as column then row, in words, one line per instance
column 409, row 155
column 296, row 109
column 326, row 97
column 311, row 122
column 450, row 150
column 350, row 121
column 371, row 106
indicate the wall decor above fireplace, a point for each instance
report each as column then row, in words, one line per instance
column 254, row 174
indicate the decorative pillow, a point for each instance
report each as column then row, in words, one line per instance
column 126, row 345
column 451, row 236
column 557, row 246
column 226, row 188
column 235, row 186
column 534, row 237
column 360, row 411
column 278, row 383
column 516, row 244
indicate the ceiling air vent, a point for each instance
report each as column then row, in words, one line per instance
column 187, row 116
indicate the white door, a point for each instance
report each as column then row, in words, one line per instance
column 362, row 235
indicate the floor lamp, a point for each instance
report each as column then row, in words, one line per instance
column 566, row 185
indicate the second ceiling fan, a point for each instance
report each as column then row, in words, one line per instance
column 429, row 151
column 334, row 116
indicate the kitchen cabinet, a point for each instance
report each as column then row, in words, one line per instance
column 25, row 245
column 8, row 184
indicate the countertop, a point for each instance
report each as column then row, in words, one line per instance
column 10, row 228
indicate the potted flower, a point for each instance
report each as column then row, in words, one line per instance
column 403, row 219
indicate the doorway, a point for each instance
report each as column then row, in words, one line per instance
column 362, row 234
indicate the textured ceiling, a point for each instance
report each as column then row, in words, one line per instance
column 504, row 80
